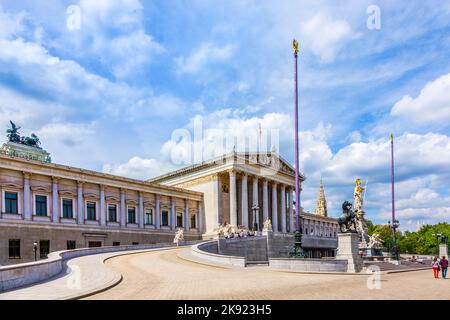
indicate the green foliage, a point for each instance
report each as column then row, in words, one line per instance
column 420, row 242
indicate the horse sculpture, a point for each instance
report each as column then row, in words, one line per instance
column 348, row 218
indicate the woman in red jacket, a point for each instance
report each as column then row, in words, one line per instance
column 436, row 267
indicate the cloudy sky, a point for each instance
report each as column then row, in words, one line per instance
column 115, row 85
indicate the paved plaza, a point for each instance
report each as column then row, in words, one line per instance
column 175, row 274
column 168, row 275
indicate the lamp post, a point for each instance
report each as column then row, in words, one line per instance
column 394, row 226
column 438, row 239
column 255, row 221
column 35, row 250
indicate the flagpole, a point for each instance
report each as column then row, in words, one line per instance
column 394, row 224
column 298, row 236
column 297, row 171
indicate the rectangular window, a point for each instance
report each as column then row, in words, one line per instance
column 44, row 248
column 135, row 243
column 14, row 248
column 11, row 202
column 41, row 206
column 71, row 244
column 165, row 218
column 149, row 216
column 132, row 215
column 67, row 208
column 193, row 221
column 116, row 244
column 179, row 219
column 112, row 213
column 91, row 214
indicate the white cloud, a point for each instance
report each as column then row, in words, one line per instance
column 325, row 36
column 139, row 168
column 204, row 55
column 10, row 25
column 431, row 105
column 69, row 134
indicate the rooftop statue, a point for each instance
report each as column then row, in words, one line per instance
column 14, row 136
column 13, row 133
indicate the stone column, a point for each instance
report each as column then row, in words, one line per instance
column 200, row 217
column 265, row 200
column 283, row 208
column 173, row 219
column 55, row 197
column 187, row 216
column 274, row 207
column 123, row 207
column 27, row 214
column 102, row 206
column 141, row 210
column 291, row 211
column 255, row 201
column 233, row 198
column 80, row 203
column 158, row 213
column 244, row 200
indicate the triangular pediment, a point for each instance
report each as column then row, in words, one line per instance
column 272, row 160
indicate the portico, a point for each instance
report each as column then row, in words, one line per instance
column 242, row 189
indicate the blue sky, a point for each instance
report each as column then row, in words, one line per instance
column 110, row 94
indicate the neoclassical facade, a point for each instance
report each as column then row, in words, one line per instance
column 58, row 207
column 49, row 207
column 242, row 189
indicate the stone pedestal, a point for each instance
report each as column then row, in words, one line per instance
column 348, row 244
column 443, row 250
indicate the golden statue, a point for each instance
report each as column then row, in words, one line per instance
column 295, row 44
column 358, row 195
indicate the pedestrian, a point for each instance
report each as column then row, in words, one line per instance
column 436, row 267
column 444, row 266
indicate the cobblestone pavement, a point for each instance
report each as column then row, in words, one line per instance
column 166, row 275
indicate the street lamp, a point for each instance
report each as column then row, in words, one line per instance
column 394, row 227
column 255, row 221
column 438, row 238
column 35, row 245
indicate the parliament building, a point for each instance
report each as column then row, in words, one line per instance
column 48, row 207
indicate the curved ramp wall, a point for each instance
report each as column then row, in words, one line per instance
column 19, row 275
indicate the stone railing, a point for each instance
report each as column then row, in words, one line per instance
column 309, row 265
column 203, row 251
column 23, row 274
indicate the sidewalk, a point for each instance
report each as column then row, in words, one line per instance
column 83, row 276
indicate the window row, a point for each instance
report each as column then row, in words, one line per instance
column 41, row 209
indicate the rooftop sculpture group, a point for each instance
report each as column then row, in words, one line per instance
column 14, row 136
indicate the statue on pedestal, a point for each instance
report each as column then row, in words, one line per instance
column 347, row 221
column 361, row 223
column 267, row 225
column 179, row 236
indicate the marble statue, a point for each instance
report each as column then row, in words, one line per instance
column 267, row 225
column 179, row 236
column 375, row 241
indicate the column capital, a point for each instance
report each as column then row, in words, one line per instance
column 55, row 179
column 80, row 183
column 26, row 174
column 122, row 190
column 274, row 184
column 232, row 172
column 102, row 187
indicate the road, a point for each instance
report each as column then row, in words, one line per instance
column 165, row 275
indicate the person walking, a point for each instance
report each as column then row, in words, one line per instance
column 444, row 266
column 435, row 264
